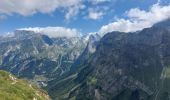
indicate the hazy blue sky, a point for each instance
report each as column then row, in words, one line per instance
column 83, row 15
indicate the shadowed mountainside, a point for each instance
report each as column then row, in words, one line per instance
column 125, row 66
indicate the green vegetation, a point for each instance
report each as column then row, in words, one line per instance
column 62, row 88
column 167, row 72
column 92, row 81
column 12, row 88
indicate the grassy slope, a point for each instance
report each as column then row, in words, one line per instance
column 15, row 89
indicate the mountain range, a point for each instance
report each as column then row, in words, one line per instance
column 38, row 57
column 125, row 66
column 118, row 66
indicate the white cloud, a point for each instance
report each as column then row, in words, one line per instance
column 95, row 13
column 74, row 10
column 54, row 31
column 30, row 7
column 95, row 2
column 138, row 19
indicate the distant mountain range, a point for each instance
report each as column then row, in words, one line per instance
column 118, row 66
column 38, row 57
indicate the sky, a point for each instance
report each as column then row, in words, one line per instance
column 71, row 17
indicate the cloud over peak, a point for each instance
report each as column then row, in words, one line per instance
column 54, row 31
column 138, row 19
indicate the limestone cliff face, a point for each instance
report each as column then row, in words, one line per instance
column 126, row 66
column 130, row 66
